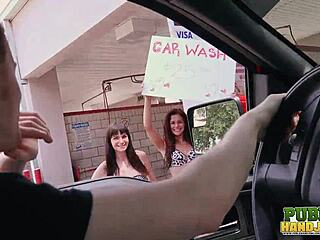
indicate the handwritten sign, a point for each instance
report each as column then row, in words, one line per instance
column 187, row 69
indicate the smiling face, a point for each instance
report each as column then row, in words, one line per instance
column 120, row 142
column 177, row 125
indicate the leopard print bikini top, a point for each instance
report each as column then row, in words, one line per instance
column 179, row 158
column 141, row 177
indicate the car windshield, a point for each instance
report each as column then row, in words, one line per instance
column 298, row 22
column 98, row 75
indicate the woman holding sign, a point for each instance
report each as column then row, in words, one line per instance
column 175, row 146
column 121, row 158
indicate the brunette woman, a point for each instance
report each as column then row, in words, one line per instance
column 121, row 158
column 175, row 146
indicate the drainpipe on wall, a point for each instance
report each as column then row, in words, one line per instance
column 10, row 8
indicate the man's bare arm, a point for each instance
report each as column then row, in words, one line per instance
column 194, row 202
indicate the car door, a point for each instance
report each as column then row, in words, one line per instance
column 273, row 65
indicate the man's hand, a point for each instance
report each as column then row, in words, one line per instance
column 32, row 128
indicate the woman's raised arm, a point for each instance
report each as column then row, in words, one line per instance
column 152, row 133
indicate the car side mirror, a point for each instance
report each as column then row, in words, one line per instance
column 210, row 121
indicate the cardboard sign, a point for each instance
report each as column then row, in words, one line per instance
column 187, row 69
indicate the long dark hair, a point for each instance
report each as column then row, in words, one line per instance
column 169, row 137
column 111, row 163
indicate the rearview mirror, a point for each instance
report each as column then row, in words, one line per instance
column 210, row 121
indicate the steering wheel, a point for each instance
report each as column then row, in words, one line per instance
column 287, row 169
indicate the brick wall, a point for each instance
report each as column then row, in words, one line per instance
column 87, row 158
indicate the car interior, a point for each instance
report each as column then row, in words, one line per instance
column 286, row 169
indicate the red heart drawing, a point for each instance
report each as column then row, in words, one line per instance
column 167, row 85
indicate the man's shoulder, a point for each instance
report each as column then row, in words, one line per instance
column 7, row 179
column 68, row 210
